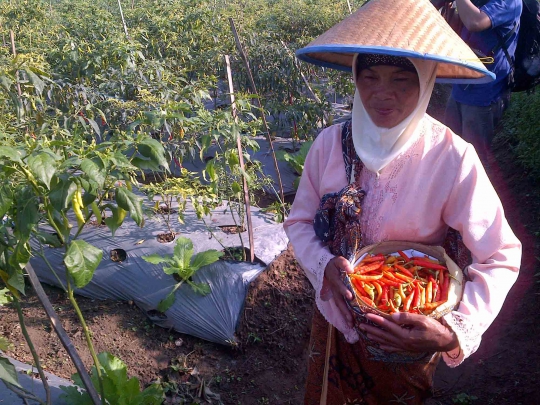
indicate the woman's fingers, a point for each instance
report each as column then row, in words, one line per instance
column 332, row 273
column 333, row 286
column 344, row 309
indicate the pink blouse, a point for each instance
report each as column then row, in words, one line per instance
column 436, row 183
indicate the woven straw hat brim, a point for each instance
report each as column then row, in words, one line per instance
column 410, row 28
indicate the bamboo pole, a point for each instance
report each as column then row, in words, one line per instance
column 64, row 338
column 349, row 4
column 241, row 158
column 14, row 51
column 254, row 91
column 123, row 21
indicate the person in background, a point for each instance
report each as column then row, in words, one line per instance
column 488, row 27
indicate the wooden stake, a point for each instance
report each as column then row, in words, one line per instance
column 349, row 4
column 64, row 338
column 241, row 158
column 254, row 91
column 14, row 51
column 123, row 21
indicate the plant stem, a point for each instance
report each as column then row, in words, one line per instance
column 32, row 350
column 62, row 335
column 87, row 336
column 42, row 255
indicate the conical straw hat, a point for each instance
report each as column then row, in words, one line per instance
column 411, row 28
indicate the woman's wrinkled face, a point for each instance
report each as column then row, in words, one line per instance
column 389, row 93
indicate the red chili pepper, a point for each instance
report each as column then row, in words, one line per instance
column 444, row 288
column 403, row 270
column 405, row 257
column 407, row 302
column 384, row 295
column 359, row 288
column 365, row 277
column 436, row 291
column 379, row 291
column 389, row 282
column 427, row 264
column 430, row 306
column 404, row 277
column 429, row 292
column 371, row 259
column 416, row 299
column 368, row 267
column 368, row 301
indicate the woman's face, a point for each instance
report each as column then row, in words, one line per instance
column 389, row 93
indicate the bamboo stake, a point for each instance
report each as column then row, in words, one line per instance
column 254, row 90
column 123, row 21
column 14, row 51
column 241, row 158
column 64, row 338
column 349, row 4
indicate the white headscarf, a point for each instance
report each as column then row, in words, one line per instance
column 377, row 146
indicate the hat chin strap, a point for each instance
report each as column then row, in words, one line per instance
column 377, row 147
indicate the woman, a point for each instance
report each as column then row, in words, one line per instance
column 415, row 180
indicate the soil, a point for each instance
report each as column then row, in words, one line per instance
column 268, row 364
column 166, row 237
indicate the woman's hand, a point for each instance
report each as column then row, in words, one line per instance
column 333, row 286
column 410, row 332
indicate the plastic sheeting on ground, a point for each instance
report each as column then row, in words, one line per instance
column 213, row 317
column 34, row 385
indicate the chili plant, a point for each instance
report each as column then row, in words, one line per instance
column 53, row 176
column 183, row 265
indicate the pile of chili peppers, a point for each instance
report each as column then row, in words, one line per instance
column 394, row 283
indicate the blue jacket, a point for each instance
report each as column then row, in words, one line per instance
column 504, row 14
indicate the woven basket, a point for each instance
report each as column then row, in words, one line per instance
column 360, row 308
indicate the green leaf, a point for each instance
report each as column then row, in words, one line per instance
column 118, row 215
column 81, row 260
column 115, row 369
column 8, row 373
column 6, row 200
column 152, row 395
column 95, row 170
column 72, row 395
column 131, row 203
column 183, row 250
column 27, row 213
column 167, row 302
column 200, row 288
column 39, row 84
column 61, row 192
column 156, row 259
column 144, row 164
column 170, row 270
column 94, row 126
column 236, row 188
column 48, row 238
column 4, row 343
column 205, row 258
column 121, row 161
column 10, row 153
column 43, row 166
column 4, row 298
column 152, row 149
